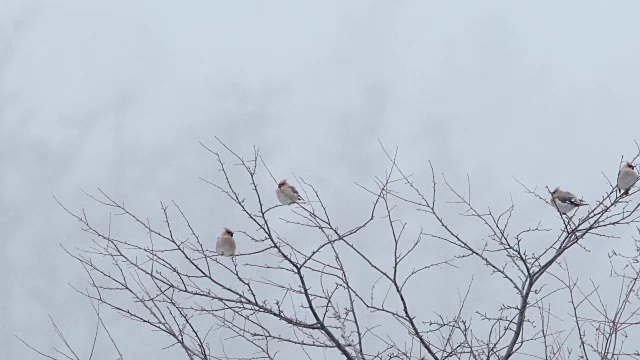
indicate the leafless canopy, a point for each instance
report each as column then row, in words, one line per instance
column 308, row 289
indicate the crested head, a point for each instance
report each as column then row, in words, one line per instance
column 282, row 183
column 227, row 231
column 556, row 189
column 628, row 164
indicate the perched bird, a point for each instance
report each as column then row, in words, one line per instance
column 226, row 245
column 287, row 194
column 627, row 177
column 565, row 201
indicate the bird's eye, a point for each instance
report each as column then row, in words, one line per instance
column 231, row 233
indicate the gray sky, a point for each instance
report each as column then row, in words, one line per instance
column 117, row 95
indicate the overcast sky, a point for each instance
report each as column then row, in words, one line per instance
column 117, row 94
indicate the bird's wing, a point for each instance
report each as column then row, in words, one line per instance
column 569, row 198
column 627, row 179
column 295, row 191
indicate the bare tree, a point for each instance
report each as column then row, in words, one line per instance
column 68, row 351
column 321, row 293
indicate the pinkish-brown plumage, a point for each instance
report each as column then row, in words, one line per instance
column 565, row 201
column 287, row 194
column 226, row 244
column 627, row 177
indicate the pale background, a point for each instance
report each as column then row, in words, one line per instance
column 117, row 95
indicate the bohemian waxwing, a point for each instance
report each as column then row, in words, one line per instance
column 565, row 201
column 287, row 194
column 627, row 177
column 226, row 245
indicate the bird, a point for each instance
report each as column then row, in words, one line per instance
column 627, row 177
column 565, row 201
column 226, row 245
column 287, row 194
